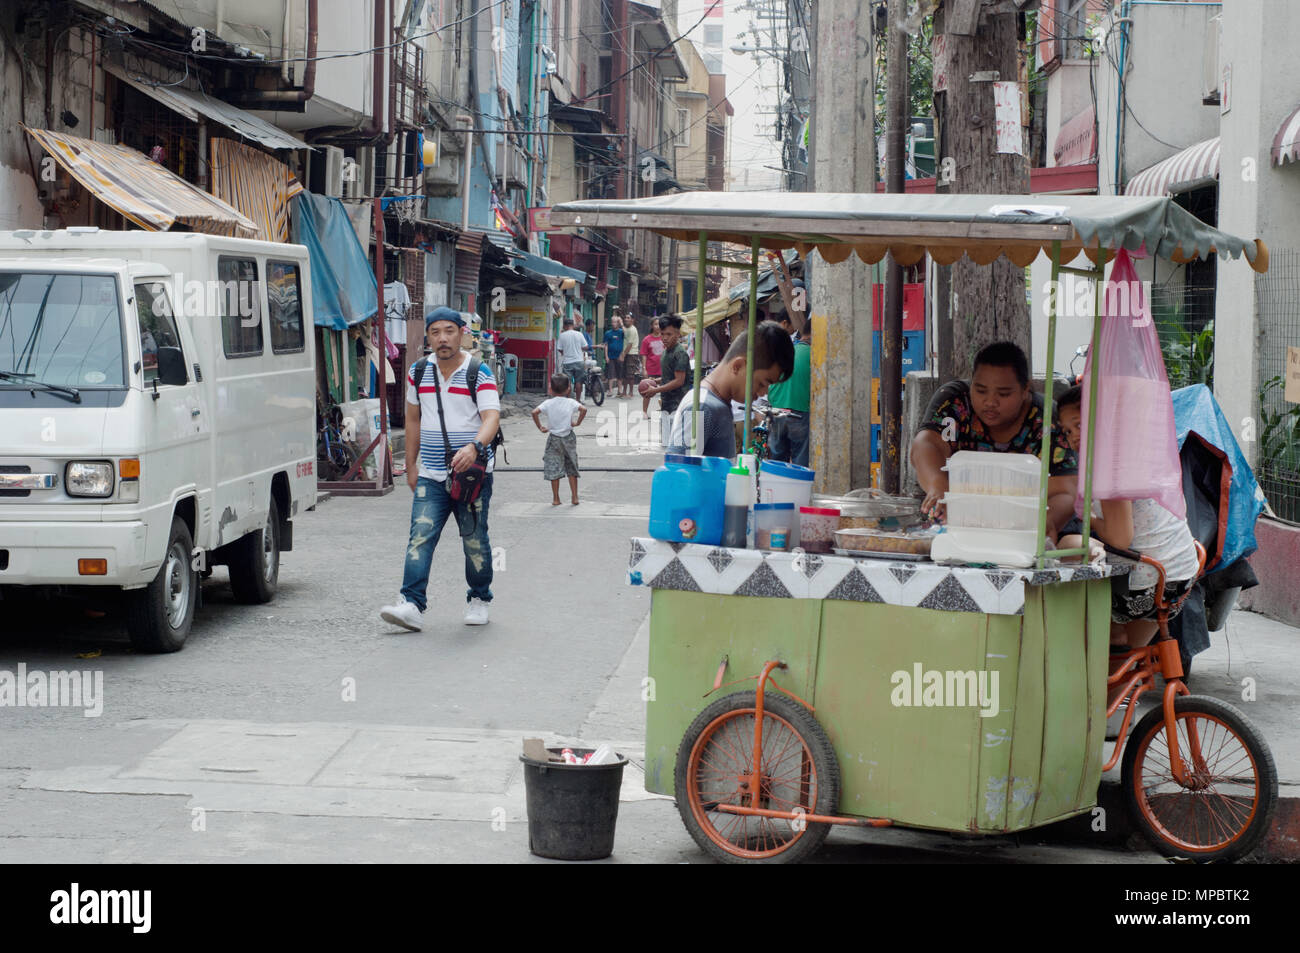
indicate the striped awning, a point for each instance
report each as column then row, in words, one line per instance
column 257, row 184
column 1286, row 144
column 1193, row 167
column 143, row 191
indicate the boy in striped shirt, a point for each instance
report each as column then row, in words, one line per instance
column 471, row 421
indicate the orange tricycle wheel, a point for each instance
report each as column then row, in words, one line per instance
column 798, row 773
column 1224, row 806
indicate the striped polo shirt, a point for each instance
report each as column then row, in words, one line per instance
column 463, row 420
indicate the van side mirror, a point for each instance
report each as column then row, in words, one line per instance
column 171, row 366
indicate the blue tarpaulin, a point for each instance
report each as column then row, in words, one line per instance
column 343, row 286
column 1195, row 410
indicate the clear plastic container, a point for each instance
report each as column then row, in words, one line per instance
column 993, row 474
column 774, row 525
column 817, row 526
column 976, row 511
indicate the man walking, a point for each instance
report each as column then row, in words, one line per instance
column 614, row 353
column 674, row 367
column 447, row 405
column 571, row 346
column 631, row 354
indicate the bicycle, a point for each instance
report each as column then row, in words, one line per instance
column 334, row 456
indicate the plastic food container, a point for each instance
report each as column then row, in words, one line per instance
column 993, row 474
column 785, row 483
column 872, row 509
column 774, row 524
column 974, row 511
column 910, row 545
column 817, row 526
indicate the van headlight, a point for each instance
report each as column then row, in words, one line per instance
column 88, row 479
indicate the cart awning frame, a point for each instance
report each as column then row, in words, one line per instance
column 981, row 227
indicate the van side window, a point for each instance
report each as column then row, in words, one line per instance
column 284, row 306
column 241, row 306
column 157, row 325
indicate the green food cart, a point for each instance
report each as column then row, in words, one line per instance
column 792, row 692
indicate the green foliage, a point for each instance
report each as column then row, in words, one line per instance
column 1279, row 434
column 1188, row 354
column 920, row 76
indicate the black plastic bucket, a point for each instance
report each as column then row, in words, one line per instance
column 572, row 808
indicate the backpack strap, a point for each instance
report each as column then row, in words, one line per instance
column 471, row 378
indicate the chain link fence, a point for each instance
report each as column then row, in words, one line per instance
column 1184, row 320
column 1277, row 303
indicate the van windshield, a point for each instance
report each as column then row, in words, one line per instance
column 60, row 329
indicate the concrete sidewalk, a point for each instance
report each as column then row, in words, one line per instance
column 1252, row 665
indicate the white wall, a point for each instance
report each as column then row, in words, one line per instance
column 1163, row 65
column 1266, row 204
column 346, row 80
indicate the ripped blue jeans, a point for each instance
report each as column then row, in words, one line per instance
column 429, row 512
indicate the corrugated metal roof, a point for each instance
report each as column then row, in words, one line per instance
column 192, row 104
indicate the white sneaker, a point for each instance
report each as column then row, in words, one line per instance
column 476, row 612
column 405, row 614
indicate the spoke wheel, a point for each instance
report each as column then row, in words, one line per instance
column 597, row 389
column 1225, row 807
column 798, row 773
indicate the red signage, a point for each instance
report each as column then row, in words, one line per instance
column 539, row 219
column 1076, row 143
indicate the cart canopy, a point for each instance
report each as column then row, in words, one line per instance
column 982, row 227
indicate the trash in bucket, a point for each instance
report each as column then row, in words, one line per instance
column 572, row 808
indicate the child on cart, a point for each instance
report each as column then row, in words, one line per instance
column 1141, row 525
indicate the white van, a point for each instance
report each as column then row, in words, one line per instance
column 157, row 416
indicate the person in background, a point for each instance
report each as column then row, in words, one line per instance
column 774, row 359
column 652, row 350
column 999, row 412
column 560, row 458
column 631, row 355
column 614, row 352
column 674, row 367
column 571, row 347
column 588, row 329
column 1141, row 525
column 788, row 434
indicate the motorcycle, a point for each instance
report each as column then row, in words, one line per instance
column 595, row 381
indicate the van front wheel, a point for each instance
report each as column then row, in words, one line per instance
column 159, row 616
column 255, row 562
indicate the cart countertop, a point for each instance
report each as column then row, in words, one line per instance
column 747, row 572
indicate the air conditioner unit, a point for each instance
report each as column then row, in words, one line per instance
column 1211, row 75
column 334, row 160
column 351, row 174
column 517, row 169
column 446, row 171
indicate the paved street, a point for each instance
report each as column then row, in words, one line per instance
column 308, row 730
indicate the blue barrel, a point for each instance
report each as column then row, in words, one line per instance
column 511, row 383
column 687, row 497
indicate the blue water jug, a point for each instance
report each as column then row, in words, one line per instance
column 687, row 496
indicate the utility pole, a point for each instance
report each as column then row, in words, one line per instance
column 891, row 357
column 843, row 154
column 974, row 48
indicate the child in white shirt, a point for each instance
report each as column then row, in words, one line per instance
column 561, row 455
